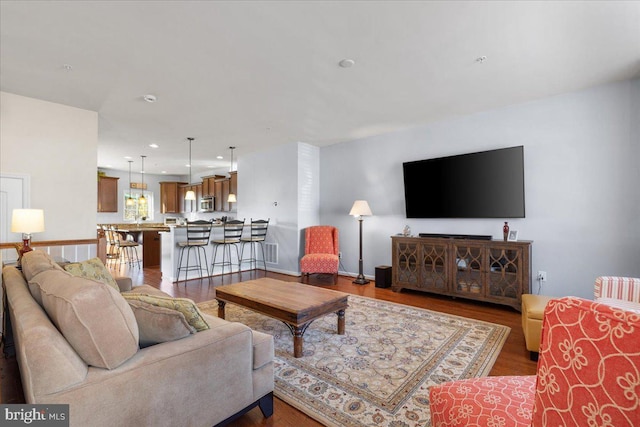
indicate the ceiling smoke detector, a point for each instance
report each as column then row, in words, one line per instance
column 150, row 98
column 347, row 63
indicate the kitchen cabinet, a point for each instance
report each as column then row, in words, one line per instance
column 209, row 185
column 151, row 250
column 233, row 185
column 218, row 194
column 107, row 194
column 169, row 197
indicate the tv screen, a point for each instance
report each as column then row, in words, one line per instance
column 488, row 184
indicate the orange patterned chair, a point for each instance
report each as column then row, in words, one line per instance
column 320, row 251
column 588, row 375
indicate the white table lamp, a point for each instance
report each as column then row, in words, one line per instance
column 27, row 221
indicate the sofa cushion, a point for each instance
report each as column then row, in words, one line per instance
column 92, row 316
column 184, row 305
column 159, row 324
column 92, row 269
column 35, row 262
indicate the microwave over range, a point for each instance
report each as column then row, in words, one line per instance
column 207, row 204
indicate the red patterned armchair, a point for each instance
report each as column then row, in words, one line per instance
column 588, row 375
column 320, row 251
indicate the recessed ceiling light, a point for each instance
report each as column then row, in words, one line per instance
column 347, row 63
column 219, row 157
column 150, row 98
column 127, row 157
column 163, row 172
column 154, row 145
column 108, row 166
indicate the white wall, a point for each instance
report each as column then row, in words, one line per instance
column 581, row 183
column 281, row 184
column 56, row 146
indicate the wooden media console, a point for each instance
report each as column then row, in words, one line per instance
column 485, row 270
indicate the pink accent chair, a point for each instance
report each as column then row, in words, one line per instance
column 588, row 375
column 320, row 251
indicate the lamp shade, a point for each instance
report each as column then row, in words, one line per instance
column 360, row 208
column 190, row 195
column 27, row 221
column 232, row 198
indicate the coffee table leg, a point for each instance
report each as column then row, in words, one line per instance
column 340, row 322
column 298, row 333
column 221, row 305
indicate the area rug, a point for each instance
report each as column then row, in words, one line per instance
column 380, row 371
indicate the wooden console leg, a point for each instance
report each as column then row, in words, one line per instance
column 221, row 305
column 340, row 322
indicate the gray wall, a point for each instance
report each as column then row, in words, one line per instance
column 581, row 183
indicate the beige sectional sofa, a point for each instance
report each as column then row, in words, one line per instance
column 77, row 342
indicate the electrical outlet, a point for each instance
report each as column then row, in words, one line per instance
column 542, row 276
column 340, row 255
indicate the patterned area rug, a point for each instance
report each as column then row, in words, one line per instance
column 380, row 371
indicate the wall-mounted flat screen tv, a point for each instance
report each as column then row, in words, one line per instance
column 487, row 184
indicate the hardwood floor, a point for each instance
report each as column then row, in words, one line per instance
column 513, row 360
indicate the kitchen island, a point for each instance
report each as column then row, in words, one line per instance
column 171, row 253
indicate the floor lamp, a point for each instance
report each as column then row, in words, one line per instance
column 360, row 208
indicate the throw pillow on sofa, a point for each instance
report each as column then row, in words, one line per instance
column 158, row 324
column 93, row 317
column 34, row 263
column 92, row 269
column 184, row 305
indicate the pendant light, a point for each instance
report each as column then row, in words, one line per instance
column 190, row 195
column 130, row 201
column 232, row 196
column 142, row 200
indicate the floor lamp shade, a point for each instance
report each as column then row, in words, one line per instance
column 359, row 209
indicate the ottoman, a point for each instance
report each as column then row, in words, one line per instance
column 532, row 311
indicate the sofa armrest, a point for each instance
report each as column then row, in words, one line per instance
column 621, row 288
column 124, row 283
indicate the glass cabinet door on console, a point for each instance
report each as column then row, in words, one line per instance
column 434, row 261
column 469, row 266
column 407, row 272
column 505, row 272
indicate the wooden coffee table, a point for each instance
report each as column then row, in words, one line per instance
column 295, row 304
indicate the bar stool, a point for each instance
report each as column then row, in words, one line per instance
column 232, row 234
column 113, row 251
column 198, row 233
column 257, row 235
column 127, row 249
